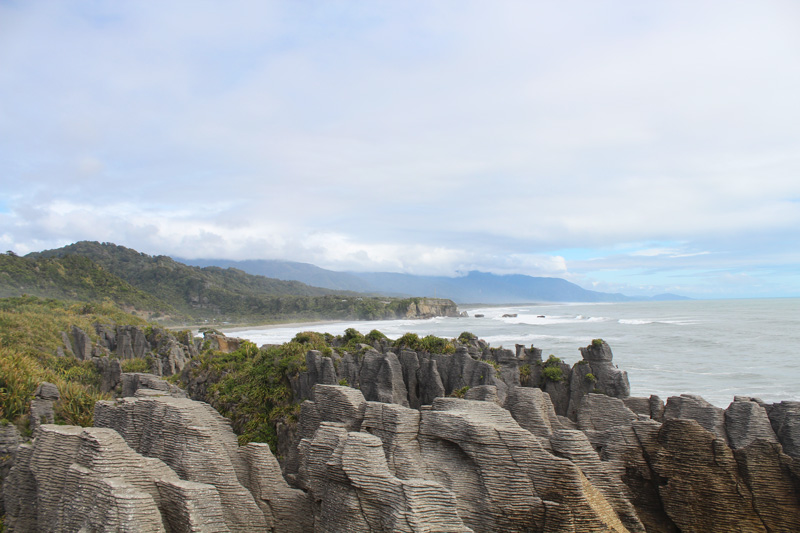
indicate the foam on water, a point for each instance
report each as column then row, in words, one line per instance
column 717, row 349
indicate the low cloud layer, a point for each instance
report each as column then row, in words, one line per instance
column 624, row 146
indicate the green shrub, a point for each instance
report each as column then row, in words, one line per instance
column 524, row 374
column 429, row 343
column 434, row 344
column 590, row 378
column 597, row 343
column 376, row 336
column 137, row 364
column 76, row 405
column 553, row 373
column 252, row 387
column 459, row 393
column 552, row 361
column 467, row 337
column 409, row 340
column 353, row 335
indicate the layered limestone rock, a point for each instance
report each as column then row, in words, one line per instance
column 168, row 353
column 785, row 420
column 415, row 379
column 693, row 407
column 353, row 490
column 41, row 411
column 89, row 479
column 154, row 463
column 599, row 412
column 596, row 373
column 746, row 421
column 533, row 410
column 135, row 381
column 10, row 440
column 195, row 441
column 398, row 455
column 683, row 477
column 500, row 475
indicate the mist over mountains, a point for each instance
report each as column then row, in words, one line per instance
column 474, row 287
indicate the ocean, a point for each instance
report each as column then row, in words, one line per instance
column 714, row 348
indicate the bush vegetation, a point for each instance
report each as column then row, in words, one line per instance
column 30, row 333
column 467, row 337
column 459, row 393
column 524, row 374
column 552, row 369
column 429, row 344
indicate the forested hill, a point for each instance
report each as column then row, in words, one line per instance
column 77, row 278
column 188, row 293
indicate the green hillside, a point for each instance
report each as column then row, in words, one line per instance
column 179, row 293
column 76, row 278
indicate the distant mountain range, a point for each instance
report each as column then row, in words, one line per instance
column 474, row 287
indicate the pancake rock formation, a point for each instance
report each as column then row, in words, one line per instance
column 516, row 453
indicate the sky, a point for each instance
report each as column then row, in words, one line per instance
column 626, row 146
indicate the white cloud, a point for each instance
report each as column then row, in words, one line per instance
column 409, row 136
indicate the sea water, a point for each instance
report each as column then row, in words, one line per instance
column 714, row 348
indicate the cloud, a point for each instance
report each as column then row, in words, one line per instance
column 419, row 137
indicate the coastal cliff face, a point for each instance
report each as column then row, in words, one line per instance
column 430, row 308
column 532, row 446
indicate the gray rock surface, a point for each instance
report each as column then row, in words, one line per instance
column 501, row 476
column 747, row 421
column 110, row 373
column 352, row 489
column 574, row 446
column 10, row 441
column 533, row 410
column 169, row 352
column 599, row 412
column 693, row 407
column 483, row 393
column 785, row 420
column 88, row 479
column 195, row 441
column 81, row 343
column 607, row 378
column 160, row 462
column 41, row 409
column 381, row 378
column 135, row 381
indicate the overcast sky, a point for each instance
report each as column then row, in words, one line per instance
column 630, row 146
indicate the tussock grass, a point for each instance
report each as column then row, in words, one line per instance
column 30, row 333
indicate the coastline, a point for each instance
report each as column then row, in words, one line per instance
column 234, row 329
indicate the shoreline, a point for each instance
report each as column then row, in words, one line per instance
column 233, row 329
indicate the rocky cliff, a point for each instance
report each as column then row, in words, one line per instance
column 566, row 453
column 429, row 308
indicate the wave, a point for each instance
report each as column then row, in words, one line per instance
column 546, row 320
column 634, row 321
